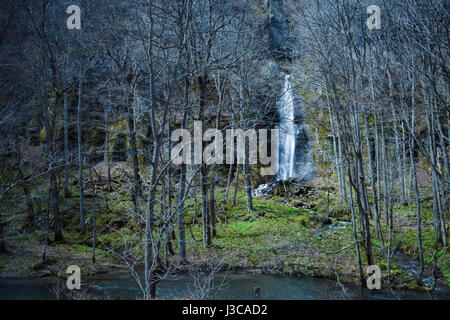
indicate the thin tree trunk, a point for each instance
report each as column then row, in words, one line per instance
column 372, row 182
column 94, row 222
column 236, row 183
column 438, row 221
column 80, row 157
column 2, row 238
column 248, row 187
column 416, row 189
column 136, row 190
column 385, row 176
column 26, row 192
column 341, row 167
column 205, row 211
column 107, row 149
column 355, row 235
column 229, row 179
column 149, row 226
column 66, row 128
column 335, row 151
column 212, row 202
column 181, row 189
column 55, row 207
column 46, row 236
column 397, row 144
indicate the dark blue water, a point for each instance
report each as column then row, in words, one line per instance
column 121, row 286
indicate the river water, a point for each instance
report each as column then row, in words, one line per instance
column 120, row 286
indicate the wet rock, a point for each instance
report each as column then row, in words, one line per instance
column 291, row 188
column 278, row 29
column 326, row 221
column 43, row 273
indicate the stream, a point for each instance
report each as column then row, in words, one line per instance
column 239, row 286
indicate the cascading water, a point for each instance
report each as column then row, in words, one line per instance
column 287, row 132
column 295, row 152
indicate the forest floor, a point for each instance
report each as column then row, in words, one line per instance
column 279, row 238
column 306, row 231
column 25, row 258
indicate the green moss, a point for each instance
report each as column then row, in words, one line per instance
column 4, row 261
column 42, row 134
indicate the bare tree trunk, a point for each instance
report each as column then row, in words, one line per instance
column 164, row 214
column 405, row 162
column 168, row 249
column 107, row 149
column 26, row 192
column 149, row 226
column 94, row 222
column 399, row 161
column 372, row 182
column 30, row 209
column 205, row 217
column 416, row 189
column 55, row 207
column 248, row 188
column 229, row 179
column 180, row 207
column 364, row 216
column 181, row 195
column 335, row 151
column 444, row 151
column 2, row 238
column 212, row 202
column 66, row 128
column 341, row 157
column 378, row 164
column 133, row 154
column 204, row 171
column 49, row 151
column 385, row 175
column 236, row 183
column 355, row 235
column 390, row 227
column 438, row 216
column 80, row 157
column 230, row 170
column 397, row 144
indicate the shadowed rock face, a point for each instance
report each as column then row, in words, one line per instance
column 295, row 152
column 279, row 30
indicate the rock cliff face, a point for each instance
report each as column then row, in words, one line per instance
column 278, row 29
column 300, row 164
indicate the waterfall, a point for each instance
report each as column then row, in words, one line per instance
column 287, row 132
column 295, row 152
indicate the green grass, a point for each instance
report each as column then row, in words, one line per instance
column 278, row 237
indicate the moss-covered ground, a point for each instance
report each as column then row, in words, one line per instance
column 282, row 236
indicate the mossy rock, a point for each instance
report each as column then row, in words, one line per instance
column 340, row 213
